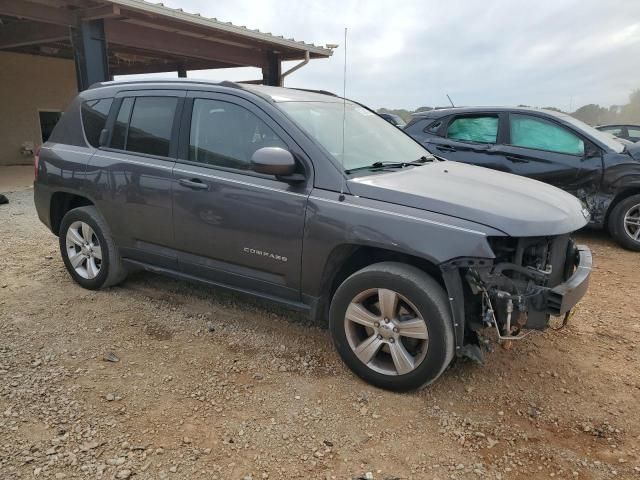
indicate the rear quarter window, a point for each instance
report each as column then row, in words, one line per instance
column 94, row 118
column 433, row 127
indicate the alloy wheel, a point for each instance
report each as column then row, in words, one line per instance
column 386, row 331
column 84, row 250
column 632, row 222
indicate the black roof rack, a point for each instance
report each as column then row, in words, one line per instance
column 224, row 83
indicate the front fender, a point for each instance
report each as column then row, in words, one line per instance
column 436, row 238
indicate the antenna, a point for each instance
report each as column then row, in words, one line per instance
column 344, row 113
column 450, row 101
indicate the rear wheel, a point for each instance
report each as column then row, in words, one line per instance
column 88, row 251
column 391, row 324
column 624, row 223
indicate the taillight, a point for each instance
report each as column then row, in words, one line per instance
column 36, row 161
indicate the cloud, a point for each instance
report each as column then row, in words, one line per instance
column 411, row 53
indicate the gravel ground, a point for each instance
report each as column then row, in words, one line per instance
column 213, row 385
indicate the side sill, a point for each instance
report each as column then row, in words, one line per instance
column 298, row 306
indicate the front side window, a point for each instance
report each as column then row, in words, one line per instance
column 367, row 139
column 227, row 135
column 480, row 129
column 144, row 125
column 94, row 118
column 533, row 132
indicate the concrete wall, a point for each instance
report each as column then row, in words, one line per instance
column 28, row 84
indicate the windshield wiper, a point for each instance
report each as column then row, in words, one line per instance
column 379, row 165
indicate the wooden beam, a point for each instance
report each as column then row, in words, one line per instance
column 145, row 38
column 21, row 34
column 105, row 11
column 160, row 67
column 39, row 13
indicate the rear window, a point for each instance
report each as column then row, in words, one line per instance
column 94, row 118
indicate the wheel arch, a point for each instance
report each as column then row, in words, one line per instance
column 61, row 203
column 620, row 196
column 346, row 259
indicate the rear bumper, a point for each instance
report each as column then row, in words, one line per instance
column 564, row 297
column 42, row 201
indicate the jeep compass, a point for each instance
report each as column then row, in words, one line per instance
column 316, row 202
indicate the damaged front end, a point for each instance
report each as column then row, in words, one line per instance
column 529, row 280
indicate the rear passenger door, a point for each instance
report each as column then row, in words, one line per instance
column 234, row 226
column 469, row 138
column 131, row 174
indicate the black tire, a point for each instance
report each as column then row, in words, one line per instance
column 617, row 223
column 111, row 270
column 429, row 299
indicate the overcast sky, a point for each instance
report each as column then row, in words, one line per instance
column 406, row 54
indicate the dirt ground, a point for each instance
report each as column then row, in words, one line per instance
column 211, row 385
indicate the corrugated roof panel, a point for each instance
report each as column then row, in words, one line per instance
column 213, row 23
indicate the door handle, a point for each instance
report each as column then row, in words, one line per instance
column 445, row 148
column 194, row 183
column 514, row 159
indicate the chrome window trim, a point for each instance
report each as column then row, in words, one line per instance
column 240, row 182
column 135, row 162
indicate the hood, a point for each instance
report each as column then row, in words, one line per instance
column 518, row 206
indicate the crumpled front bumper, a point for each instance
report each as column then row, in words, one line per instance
column 562, row 298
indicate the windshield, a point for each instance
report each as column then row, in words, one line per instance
column 368, row 138
column 602, row 137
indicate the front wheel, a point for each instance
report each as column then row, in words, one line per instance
column 391, row 324
column 88, row 251
column 624, row 223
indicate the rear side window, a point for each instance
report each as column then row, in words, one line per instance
column 227, row 135
column 480, row 129
column 119, row 137
column 612, row 130
column 534, row 132
column 144, row 125
column 94, row 118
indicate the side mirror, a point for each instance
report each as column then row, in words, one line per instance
column 273, row 161
column 104, row 138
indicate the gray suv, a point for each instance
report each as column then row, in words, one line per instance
column 315, row 202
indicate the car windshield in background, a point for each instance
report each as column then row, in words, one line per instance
column 369, row 139
column 606, row 139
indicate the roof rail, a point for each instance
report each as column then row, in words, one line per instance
column 323, row 92
column 224, row 83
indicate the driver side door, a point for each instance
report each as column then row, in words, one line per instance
column 234, row 226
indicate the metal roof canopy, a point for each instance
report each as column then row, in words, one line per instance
column 119, row 37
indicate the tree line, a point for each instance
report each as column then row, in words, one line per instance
column 593, row 114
